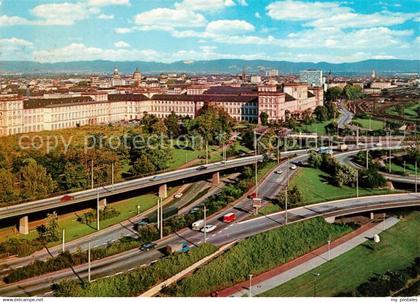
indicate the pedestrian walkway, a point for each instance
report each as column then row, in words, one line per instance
column 305, row 263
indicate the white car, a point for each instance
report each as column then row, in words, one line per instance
column 208, row 228
column 293, row 167
column 178, row 195
column 279, row 172
column 378, row 144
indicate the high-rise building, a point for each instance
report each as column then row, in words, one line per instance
column 311, row 76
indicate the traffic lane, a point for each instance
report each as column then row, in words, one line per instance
column 99, row 269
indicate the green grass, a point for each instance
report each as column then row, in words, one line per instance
column 269, row 208
column 409, row 168
column 409, row 112
column 373, row 124
column 316, row 127
column 314, row 186
column 398, row 248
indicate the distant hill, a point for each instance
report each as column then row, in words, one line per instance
column 212, row 66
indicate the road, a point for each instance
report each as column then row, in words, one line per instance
column 345, row 117
column 224, row 233
column 125, row 186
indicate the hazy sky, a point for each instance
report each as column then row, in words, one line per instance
column 164, row 30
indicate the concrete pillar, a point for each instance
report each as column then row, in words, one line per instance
column 102, row 204
column 390, row 185
column 372, row 215
column 24, row 225
column 215, row 179
column 163, row 191
column 330, row 219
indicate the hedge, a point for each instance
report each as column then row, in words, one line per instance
column 257, row 254
column 137, row 281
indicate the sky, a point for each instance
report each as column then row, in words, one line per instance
column 188, row 30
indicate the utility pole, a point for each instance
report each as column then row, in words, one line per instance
column 91, row 173
column 63, row 244
column 367, row 159
column 207, row 152
column 278, row 150
column 138, row 209
column 161, row 218
column 256, row 165
column 286, row 218
column 415, row 167
column 158, row 214
column 404, row 167
column 205, row 224
column 329, row 248
column 112, row 176
column 89, row 275
column 357, row 183
column 389, row 147
column 250, row 286
column 97, row 211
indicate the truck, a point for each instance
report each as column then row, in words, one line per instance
column 326, row 150
column 198, row 225
column 343, row 147
column 177, row 248
column 228, row 218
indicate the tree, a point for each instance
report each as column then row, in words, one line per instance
column 321, row 113
column 35, row 182
column 418, row 111
column 294, row 198
column 172, row 125
column 370, row 178
column 143, row 166
column 315, row 159
column 264, row 118
column 7, row 189
column 333, row 93
column 49, row 232
column 75, row 177
column 352, row 92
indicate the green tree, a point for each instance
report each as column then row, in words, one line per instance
column 321, row 113
column 352, row 92
column 172, row 125
column 315, row 159
column 35, row 182
column 264, row 118
column 7, row 189
column 75, row 177
column 333, row 93
column 143, row 166
column 370, row 178
column 294, row 198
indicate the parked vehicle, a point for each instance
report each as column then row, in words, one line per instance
column 177, row 248
column 229, row 218
column 198, row 225
column 148, row 246
column 67, row 198
column 208, row 228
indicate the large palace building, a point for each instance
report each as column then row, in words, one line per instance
column 244, row 103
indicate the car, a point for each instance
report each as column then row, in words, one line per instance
column 378, row 144
column 293, row 167
column 148, row 246
column 178, row 195
column 229, row 218
column 208, row 228
column 300, row 163
column 242, row 154
column 195, row 210
column 201, row 168
column 67, row 198
column 154, row 178
column 279, row 172
column 143, row 222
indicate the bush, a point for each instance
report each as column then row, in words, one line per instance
column 19, row 247
column 137, row 281
column 257, row 254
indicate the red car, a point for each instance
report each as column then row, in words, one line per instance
column 228, row 218
column 67, row 198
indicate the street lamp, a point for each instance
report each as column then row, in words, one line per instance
column 316, row 276
column 250, row 286
column 205, row 224
column 357, row 183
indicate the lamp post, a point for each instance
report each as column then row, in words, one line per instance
column 286, row 194
column 415, row 168
column 250, row 286
column 329, row 248
column 89, row 275
column 63, row 243
column 91, row 173
column 316, row 276
column 357, row 183
column 97, row 211
column 205, row 224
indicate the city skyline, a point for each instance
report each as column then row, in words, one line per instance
column 167, row 31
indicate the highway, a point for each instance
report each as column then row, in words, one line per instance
column 224, row 233
column 125, row 186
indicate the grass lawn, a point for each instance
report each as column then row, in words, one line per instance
column 374, row 124
column 317, row 127
column 75, row 229
column 314, row 186
column 398, row 248
column 409, row 168
column 409, row 112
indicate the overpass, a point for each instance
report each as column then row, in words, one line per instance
column 101, row 193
